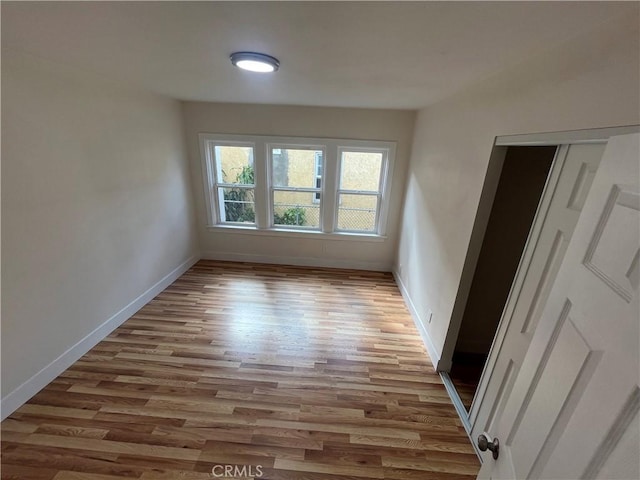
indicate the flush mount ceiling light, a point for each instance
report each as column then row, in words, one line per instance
column 255, row 62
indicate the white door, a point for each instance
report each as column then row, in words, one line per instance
column 566, row 190
column 573, row 409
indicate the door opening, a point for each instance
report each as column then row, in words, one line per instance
column 520, row 187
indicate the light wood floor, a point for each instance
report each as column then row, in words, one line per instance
column 306, row 373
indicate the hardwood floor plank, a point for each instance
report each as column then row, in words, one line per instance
column 67, row 475
column 428, row 464
column 18, row 425
column 68, row 459
column 21, row 472
column 257, row 450
column 56, row 411
column 315, row 467
column 175, row 475
column 309, row 373
column 423, row 445
column 111, row 446
column 72, row 431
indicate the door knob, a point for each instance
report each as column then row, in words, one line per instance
column 484, row 444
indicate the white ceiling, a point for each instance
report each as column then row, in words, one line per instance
column 352, row 54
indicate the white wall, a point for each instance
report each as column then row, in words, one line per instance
column 96, row 210
column 591, row 81
column 390, row 125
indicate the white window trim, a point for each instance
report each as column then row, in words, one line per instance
column 214, row 207
column 316, row 197
column 382, row 207
column 332, row 148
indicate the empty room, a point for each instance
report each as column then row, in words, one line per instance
column 320, row 240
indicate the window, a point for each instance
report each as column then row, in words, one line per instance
column 289, row 184
column 234, row 184
column 359, row 190
column 294, row 194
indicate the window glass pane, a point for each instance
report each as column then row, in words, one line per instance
column 295, row 208
column 238, row 205
column 295, row 167
column 360, row 171
column 234, row 164
column 357, row 212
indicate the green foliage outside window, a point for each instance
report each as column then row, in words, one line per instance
column 291, row 216
column 238, row 201
column 245, row 177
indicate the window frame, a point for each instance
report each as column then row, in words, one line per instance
column 273, row 188
column 215, row 207
column 263, row 191
column 384, row 167
column 319, row 162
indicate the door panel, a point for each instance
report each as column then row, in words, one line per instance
column 570, row 180
column 617, row 457
column 564, row 370
column 573, row 409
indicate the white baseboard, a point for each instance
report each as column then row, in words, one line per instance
column 15, row 399
column 298, row 261
column 426, row 339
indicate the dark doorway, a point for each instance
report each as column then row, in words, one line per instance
column 522, row 180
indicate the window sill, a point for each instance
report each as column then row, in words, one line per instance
column 309, row 234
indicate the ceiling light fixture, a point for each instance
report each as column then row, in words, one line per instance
column 255, row 62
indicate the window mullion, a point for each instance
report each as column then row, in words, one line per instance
column 383, row 200
column 207, row 172
column 297, row 189
column 360, row 192
column 329, row 188
column 240, row 186
column 261, row 173
column 378, row 212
